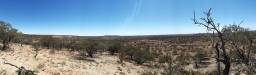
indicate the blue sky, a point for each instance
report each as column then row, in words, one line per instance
column 121, row 17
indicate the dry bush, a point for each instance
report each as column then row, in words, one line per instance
column 7, row 34
column 138, row 55
column 114, row 47
column 88, row 48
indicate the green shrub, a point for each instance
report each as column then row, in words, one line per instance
column 130, row 52
column 138, row 55
column 141, row 56
column 114, row 48
column 89, row 47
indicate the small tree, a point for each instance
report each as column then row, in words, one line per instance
column 220, row 45
column 7, row 34
column 89, row 46
column 91, row 49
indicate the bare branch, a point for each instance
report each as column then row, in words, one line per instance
column 12, row 65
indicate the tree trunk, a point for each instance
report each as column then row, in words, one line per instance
column 226, row 61
column 196, row 64
column 226, row 69
column 90, row 55
column 218, row 66
column 218, row 57
column 4, row 45
column 36, row 53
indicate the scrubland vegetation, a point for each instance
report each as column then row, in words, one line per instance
column 227, row 50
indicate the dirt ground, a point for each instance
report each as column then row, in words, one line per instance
column 64, row 63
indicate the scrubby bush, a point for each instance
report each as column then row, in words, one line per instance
column 139, row 55
column 164, row 58
column 184, row 58
column 89, row 47
column 199, row 57
column 7, row 34
column 172, row 69
column 114, row 48
column 130, row 52
column 20, row 38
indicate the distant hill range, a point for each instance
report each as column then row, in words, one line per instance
column 112, row 37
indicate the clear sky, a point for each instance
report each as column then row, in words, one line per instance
column 121, row 17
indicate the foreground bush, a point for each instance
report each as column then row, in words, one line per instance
column 7, row 34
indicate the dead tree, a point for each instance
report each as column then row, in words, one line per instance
column 22, row 70
column 241, row 41
column 233, row 38
column 220, row 48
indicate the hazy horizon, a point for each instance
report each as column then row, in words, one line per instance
column 117, row 35
column 121, row 17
